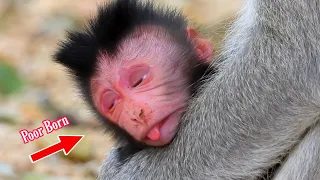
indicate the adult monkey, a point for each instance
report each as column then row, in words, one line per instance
column 264, row 98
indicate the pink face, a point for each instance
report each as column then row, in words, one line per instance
column 143, row 89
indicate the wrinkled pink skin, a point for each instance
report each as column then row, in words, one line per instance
column 142, row 89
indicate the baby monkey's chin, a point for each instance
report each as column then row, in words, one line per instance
column 167, row 128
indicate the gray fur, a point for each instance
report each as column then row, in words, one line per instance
column 266, row 95
column 304, row 160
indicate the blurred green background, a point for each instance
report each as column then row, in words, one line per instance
column 33, row 88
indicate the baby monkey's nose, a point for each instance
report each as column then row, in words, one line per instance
column 138, row 115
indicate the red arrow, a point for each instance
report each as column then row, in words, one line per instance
column 67, row 143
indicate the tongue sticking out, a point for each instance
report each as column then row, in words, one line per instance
column 154, row 133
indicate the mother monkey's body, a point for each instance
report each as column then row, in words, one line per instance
column 264, row 98
column 256, row 109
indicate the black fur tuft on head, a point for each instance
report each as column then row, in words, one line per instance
column 114, row 21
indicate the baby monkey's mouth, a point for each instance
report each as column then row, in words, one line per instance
column 154, row 133
column 165, row 129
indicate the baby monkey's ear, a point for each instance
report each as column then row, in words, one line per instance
column 203, row 47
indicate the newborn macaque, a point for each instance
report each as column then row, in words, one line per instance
column 137, row 66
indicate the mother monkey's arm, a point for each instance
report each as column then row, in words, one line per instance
column 264, row 98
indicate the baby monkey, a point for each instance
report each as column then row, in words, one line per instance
column 137, row 65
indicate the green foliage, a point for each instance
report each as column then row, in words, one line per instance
column 10, row 82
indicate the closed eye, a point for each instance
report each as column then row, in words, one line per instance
column 140, row 81
column 109, row 100
column 113, row 104
column 138, row 75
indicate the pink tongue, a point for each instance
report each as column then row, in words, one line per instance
column 154, row 133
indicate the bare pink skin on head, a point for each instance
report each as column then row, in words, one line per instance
column 143, row 89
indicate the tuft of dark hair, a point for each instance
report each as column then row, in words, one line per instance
column 112, row 24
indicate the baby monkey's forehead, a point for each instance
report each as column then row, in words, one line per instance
column 145, row 42
column 143, row 31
